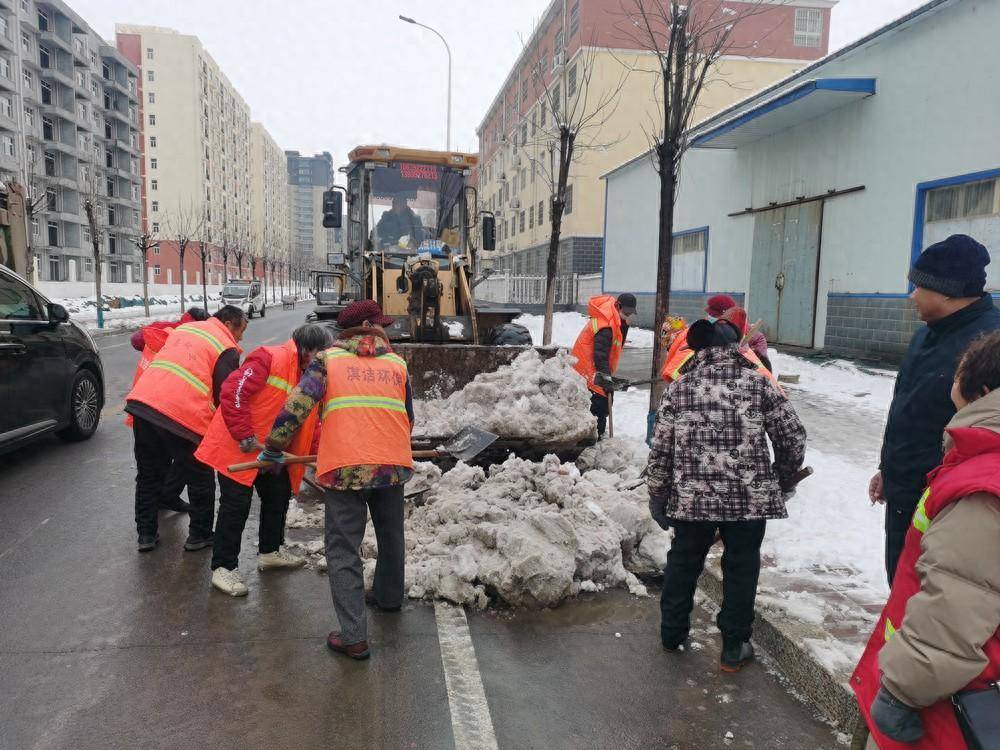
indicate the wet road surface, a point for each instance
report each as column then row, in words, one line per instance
column 101, row 647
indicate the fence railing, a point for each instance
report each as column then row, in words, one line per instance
column 504, row 287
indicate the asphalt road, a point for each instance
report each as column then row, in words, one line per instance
column 101, row 647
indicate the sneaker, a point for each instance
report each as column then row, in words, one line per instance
column 373, row 602
column 229, row 582
column 280, row 559
column 359, row 650
column 175, row 504
column 195, row 543
column 735, row 655
column 147, row 542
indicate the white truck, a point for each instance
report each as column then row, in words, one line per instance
column 246, row 294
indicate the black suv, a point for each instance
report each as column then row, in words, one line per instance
column 51, row 379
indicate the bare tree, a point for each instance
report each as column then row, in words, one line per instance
column 95, row 211
column 573, row 122
column 32, row 194
column 687, row 40
column 183, row 225
column 143, row 242
column 239, row 252
column 204, row 250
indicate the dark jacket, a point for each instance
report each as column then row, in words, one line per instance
column 709, row 460
column 602, row 348
column 921, row 404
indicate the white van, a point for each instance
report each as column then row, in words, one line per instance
column 248, row 295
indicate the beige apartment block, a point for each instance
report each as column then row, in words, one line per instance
column 196, row 149
column 577, row 57
column 269, row 216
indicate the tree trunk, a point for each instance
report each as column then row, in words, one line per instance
column 97, row 280
column 566, row 142
column 204, row 278
column 181, row 250
column 145, row 279
column 664, row 262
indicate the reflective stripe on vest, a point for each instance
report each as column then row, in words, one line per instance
column 182, row 373
column 279, row 383
column 364, row 402
column 890, row 629
column 920, row 520
column 187, row 328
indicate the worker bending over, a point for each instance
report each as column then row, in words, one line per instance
column 363, row 462
column 249, row 401
column 599, row 347
column 172, row 405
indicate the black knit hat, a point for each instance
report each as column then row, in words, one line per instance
column 955, row 267
column 704, row 334
column 627, row 301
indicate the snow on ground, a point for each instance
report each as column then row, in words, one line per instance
column 566, row 326
column 838, row 380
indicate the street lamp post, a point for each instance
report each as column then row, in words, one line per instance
column 407, row 19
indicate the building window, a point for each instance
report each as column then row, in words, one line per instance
column 568, row 207
column 25, row 42
column 688, row 263
column 531, row 218
column 150, row 75
column 520, row 222
column 149, row 53
column 5, row 107
column 48, row 129
column 46, row 93
column 541, row 115
column 152, row 163
column 29, row 80
column 5, row 68
column 963, row 201
column 151, row 97
column 44, row 57
column 156, row 228
column 152, row 141
column 4, row 27
column 571, row 81
column 152, row 119
column 154, row 206
column 541, row 212
column 112, row 245
column 557, row 50
column 54, row 234
column 43, row 21
column 154, row 185
column 574, row 18
column 36, row 231
column 55, row 267
column 808, row 27
column 135, row 192
column 156, row 249
column 110, row 185
column 156, row 267
column 88, row 263
column 8, row 145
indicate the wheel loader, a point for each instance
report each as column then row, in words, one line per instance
column 411, row 216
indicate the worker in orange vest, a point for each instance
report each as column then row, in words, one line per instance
column 148, row 340
column 172, row 404
column 363, row 391
column 599, row 347
column 249, row 401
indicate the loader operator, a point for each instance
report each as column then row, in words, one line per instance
column 249, row 401
column 398, row 222
column 172, row 404
column 599, row 347
column 364, row 459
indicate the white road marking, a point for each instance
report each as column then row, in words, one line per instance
column 470, row 713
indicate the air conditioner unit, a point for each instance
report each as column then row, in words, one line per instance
column 515, row 204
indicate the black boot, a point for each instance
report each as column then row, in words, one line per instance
column 735, row 654
column 175, row 504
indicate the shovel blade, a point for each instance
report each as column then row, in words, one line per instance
column 468, row 443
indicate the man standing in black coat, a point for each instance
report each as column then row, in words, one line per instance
column 950, row 281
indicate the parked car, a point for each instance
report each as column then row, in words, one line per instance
column 51, row 378
column 248, row 295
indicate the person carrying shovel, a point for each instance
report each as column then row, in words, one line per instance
column 363, row 391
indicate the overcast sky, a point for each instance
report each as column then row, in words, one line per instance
column 332, row 74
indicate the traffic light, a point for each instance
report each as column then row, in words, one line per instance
column 332, row 209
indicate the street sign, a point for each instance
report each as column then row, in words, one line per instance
column 335, row 259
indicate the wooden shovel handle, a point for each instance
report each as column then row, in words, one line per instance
column 262, row 464
column 429, row 454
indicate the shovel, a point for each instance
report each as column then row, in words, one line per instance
column 464, row 445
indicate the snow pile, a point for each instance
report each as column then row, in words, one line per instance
column 543, row 399
column 566, row 326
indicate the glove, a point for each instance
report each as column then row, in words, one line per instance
column 276, row 459
column 605, row 382
column 658, row 510
column 250, row 444
column 894, row 719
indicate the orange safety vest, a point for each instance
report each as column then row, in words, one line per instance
column 178, row 382
column 220, row 449
column 364, row 412
column 679, row 354
column 603, row 314
column 154, row 339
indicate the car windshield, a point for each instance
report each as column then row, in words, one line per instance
column 414, row 202
column 236, row 290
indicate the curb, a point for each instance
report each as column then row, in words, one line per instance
column 784, row 641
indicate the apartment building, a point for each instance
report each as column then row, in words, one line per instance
column 69, row 130
column 308, row 177
column 572, row 37
column 195, row 153
column 269, row 215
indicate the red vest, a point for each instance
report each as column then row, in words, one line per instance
column 220, row 449
column 973, row 465
column 364, row 412
column 178, row 382
column 603, row 314
column 154, row 339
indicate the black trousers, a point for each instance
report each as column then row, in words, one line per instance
column 740, row 571
column 174, row 484
column 275, row 490
column 155, row 448
column 599, row 407
column 898, row 518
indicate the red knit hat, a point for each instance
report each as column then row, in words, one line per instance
column 366, row 310
column 718, row 304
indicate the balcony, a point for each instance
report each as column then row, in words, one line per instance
column 7, row 84
column 61, row 147
column 60, row 76
column 51, row 39
column 117, row 114
column 116, row 85
column 6, row 43
column 61, row 180
column 81, row 55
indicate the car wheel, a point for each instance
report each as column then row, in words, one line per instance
column 85, row 407
column 250, row 313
